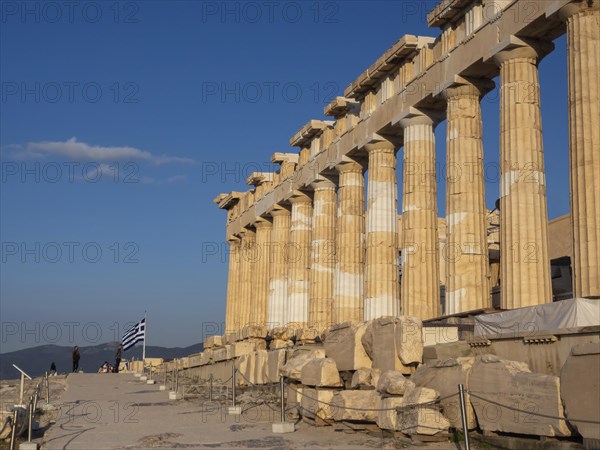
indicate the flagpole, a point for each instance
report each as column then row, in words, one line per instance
column 145, row 330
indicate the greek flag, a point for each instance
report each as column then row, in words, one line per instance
column 136, row 333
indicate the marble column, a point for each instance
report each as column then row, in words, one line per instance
column 248, row 259
column 382, row 296
column 259, row 309
column 524, row 263
column 233, row 279
column 298, row 257
column 278, row 269
column 466, row 252
column 420, row 249
column 350, row 239
column 583, row 45
column 322, row 264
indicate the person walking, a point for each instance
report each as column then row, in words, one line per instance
column 118, row 357
column 76, row 357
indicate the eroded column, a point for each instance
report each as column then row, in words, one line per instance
column 466, row 252
column 278, row 269
column 298, row 255
column 382, row 296
column 248, row 261
column 322, row 255
column 420, row 252
column 350, row 240
column 259, row 309
column 524, row 262
column 583, row 45
column 233, row 279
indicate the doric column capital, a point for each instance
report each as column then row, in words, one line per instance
column 518, row 48
column 279, row 211
column 262, row 223
column 569, row 10
column 467, row 87
column 349, row 166
column 380, row 144
column 323, row 184
column 299, row 197
column 419, row 116
column 232, row 239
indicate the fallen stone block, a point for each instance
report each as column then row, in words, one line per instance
column 355, row 406
column 523, row 394
column 343, row 343
column 222, row 353
column 418, row 415
column 293, row 367
column 409, row 340
column 379, row 341
column 275, row 361
column 320, row 372
column 278, row 343
column 315, row 403
column 392, row 382
column 286, row 333
column 444, row 376
column 458, row 349
column 387, row 416
column 439, row 335
column 260, row 367
column 580, row 388
column 254, row 331
column 230, row 338
column 206, row 357
column 244, row 366
column 365, row 379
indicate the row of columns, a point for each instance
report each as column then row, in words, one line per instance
column 329, row 262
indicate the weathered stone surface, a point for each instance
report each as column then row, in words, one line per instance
column 409, row 340
column 213, row 341
column 206, row 357
column 321, row 372
column 259, row 375
column 439, row 335
column 275, row 361
column 444, row 351
column 580, row 388
column 362, row 406
column 343, row 343
column 511, row 383
column 316, row 403
column 365, row 379
column 394, row 343
column 243, row 348
column 387, row 416
column 293, row 367
column 254, row 331
column 244, row 366
column 285, row 333
column 222, row 353
column 393, row 383
column 426, row 419
column 444, row 376
column 230, row 338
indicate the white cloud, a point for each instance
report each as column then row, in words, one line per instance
column 81, row 151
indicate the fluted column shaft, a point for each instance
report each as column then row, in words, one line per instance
column 583, row 45
column 278, row 269
column 259, row 310
column 466, row 251
column 298, row 255
column 248, row 260
column 350, row 240
column 524, row 263
column 382, row 296
column 233, row 279
column 420, row 249
column 323, row 257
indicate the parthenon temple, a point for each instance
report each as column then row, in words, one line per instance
column 320, row 241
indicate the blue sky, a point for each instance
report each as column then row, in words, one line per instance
column 121, row 121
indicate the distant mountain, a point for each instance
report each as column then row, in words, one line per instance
column 36, row 360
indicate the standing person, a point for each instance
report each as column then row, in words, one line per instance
column 118, row 357
column 76, row 357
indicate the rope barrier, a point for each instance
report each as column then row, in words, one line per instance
column 547, row 416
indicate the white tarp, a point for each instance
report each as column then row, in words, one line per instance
column 573, row 313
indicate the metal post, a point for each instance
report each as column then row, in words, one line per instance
column 13, row 434
column 282, row 388
column 165, row 370
column 210, row 387
column 150, row 376
column 463, row 413
column 47, row 389
column 177, row 379
column 35, row 396
column 233, row 371
column 22, row 388
column 30, row 419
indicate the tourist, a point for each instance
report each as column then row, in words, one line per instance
column 52, row 369
column 76, row 357
column 118, row 357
